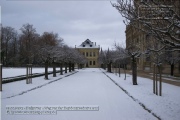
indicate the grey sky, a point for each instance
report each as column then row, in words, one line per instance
column 75, row 21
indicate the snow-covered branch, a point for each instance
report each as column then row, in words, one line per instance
column 158, row 19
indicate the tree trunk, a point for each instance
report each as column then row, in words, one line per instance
column 31, row 73
column 112, row 68
column 73, row 67
column 65, row 67
column 69, row 66
column 2, row 57
column 116, row 69
column 27, row 72
column 78, row 66
column 134, row 71
column 160, row 81
column 61, row 69
column 101, row 65
column 104, row 66
column 154, row 71
column 156, row 83
column 172, row 69
column 54, row 69
column 46, row 70
column 109, row 67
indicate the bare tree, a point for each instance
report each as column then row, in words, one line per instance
column 159, row 19
column 8, row 36
column 27, row 39
column 156, row 53
column 51, row 39
column 109, row 59
column 14, row 50
column 122, row 58
column 134, row 52
column 44, row 53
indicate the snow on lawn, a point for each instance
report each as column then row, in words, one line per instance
column 11, row 72
column 88, row 87
column 21, row 86
column 166, row 106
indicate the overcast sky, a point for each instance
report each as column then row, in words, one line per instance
column 74, row 21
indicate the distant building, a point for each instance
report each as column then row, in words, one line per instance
column 91, row 51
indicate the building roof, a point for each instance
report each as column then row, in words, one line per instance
column 88, row 44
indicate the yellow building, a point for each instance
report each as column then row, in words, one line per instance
column 138, row 38
column 91, row 51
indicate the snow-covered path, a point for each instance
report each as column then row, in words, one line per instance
column 87, row 87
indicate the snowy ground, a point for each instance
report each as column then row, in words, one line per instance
column 167, row 106
column 11, row 72
column 91, row 87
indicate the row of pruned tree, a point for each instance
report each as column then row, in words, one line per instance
column 117, row 59
column 120, row 57
column 159, row 21
column 61, row 56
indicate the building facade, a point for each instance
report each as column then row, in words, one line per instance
column 91, row 51
column 138, row 38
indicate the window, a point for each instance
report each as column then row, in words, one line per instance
column 83, row 53
column 90, row 45
column 90, row 54
column 90, row 62
column 83, row 45
column 86, row 54
column 94, row 62
column 94, row 54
